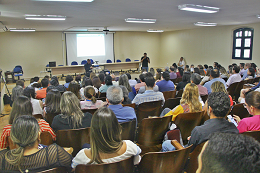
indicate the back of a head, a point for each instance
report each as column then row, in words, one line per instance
column 114, row 95
column 206, row 66
column 200, row 66
column 45, row 83
column 47, row 77
column 20, row 83
column 186, row 77
column 214, row 73
column 202, row 72
column 180, row 71
column 101, row 77
column 22, row 106
column 53, row 82
column 16, row 92
column 128, row 75
column 149, row 81
column 87, row 82
column 105, row 135
column 96, row 82
column 220, row 103
column 196, row 78
column 92, row 74
column 197, row 70
column 190, row 96
column 230, row 153
column 248, row 65
column 55, row 78
column 236, row 69
column 52, row 101
column 78, row 78
column 29, row 92
column 90, row 93
column 166, row 68
column 253, row 99
column 242, row 65
column 208, row 72
column 252, row 71
column 141, row 77
column 36, row 78
column 74, row 87
column 148, row 75
column 68, row 79
column 123, row 80
column 108, row 80
column 218, row 87
column 172, row 69
column 166, row 76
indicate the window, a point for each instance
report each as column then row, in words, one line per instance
column 243, row 43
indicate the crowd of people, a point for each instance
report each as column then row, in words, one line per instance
column 67, row 101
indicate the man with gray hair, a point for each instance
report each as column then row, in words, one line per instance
column 195, row 78
column 114, row 99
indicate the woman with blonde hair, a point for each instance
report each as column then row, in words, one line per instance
column 91, row 102
column 105, row 141
column 189, row 102
column 219, row 87
column 71, row 116
column 27, row 157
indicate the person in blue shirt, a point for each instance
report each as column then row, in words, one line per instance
column 248, row 65
column 165, row 84
column 114, row 100
column 69, row 78
column 214, row 76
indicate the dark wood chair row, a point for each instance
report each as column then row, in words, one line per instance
column 234, row 89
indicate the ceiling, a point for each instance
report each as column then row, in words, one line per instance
column 111, row 14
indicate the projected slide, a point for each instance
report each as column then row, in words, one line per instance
column 90, row 45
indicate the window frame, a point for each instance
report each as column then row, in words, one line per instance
column 242, row 48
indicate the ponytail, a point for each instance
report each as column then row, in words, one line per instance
column 89, row 93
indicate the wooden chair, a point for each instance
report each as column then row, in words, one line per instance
column 130, row 105
column 38, row 116
column 102, row 95
column 169, row 94
column 240, row 111
column 250, row 81
column 147, row 109
column 56, row 170
column 238, row 89
column 128, row 130
column 231, row 89
column 46, row 138
column 92, row 111
column 179, row 94
column 102, row 98
column 178, row 80
column 124, row 166
column 49, row 117
column 173, row 80
column 164, row 162
column 192, row 163
column 186, row 123
column 256, row 79
column 172, row 103
column 151, row 133
column 204, row 98
column 74, row 138
column 254, row 134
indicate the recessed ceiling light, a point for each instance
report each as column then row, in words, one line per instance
column 136, row 20
column 154, row 30
column 67, row 0
column 22, row 29
column 205, row 24
column 44, row 17
column 198, row 8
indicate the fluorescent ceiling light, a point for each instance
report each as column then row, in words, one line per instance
column 67, row 0
column 45, row 17
column 258, row 16
column 198, row 8
column 136, row 20
column 22, row 29
column 205, row 24
column 154, row 30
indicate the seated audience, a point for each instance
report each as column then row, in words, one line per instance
column 27, row 157
column 125, row 95
column 202, row 72
column 206, row 78
column 189, row 102
column 179, row 72
column 101, row 76
column 250, row 73
column 75, row 87
column 34, row 80
column 52, row 102
column 91, row 102
column 41, row 93
column 22, row 106
column 173, row 74
column 252, row 104
column 20, row 83
column 114, row 99
column 166, row 69
column 106, row 143
column 196, row 70
column 114, row 79
column 185, row 80
column 92, row 75
column 247, row 66
column 192, row 68
column 96, row 82
column 68, row 79
column 219, row 87
column 149, row 95
column 241, row 66
column 229, row 153
column 108, row 81
column 16, row 92
column 214, row 76
column 132, row 82
column 165, row 84
column 124, row 82
column 224, row 75
column 235, row 77
column 142, row 83
column 71, row 116
column 142, row 88
column 36, row 104
column 158, row 77
column 78, row 79
column 195, row 78
column 205, row 67
column 55, row 83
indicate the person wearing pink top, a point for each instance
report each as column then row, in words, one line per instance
column 252, row 104
column 91, row 102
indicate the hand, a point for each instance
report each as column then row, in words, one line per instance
column 237, row 118
column 188, row 138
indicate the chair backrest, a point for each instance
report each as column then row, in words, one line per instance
column 179, row 94
column 231, row 89
column 74, row 138
column 92, row 111
column 147, row 109
column 240, row 111
column 178, row 80
column 256, row 79
column 109, row 61
column 92, row 62
column 102, row 95
column 49, row 117
column 18, row 69
column 204, row 98
column 128, row 130
column 192, row 163
column 83, row 62
column 102, row 98
column 38, row 116
column 239, row 87
column 132, row 105
column 173, row 80
column 186, row 123
column 249, row 81
column 46, row 138
column 127, row 60
column 118, row 60
column 254, row 134
column 124, row 166
column 74, row 63
column 173, row 161
column 169, row 94
column 172, row 103
column 152, row 130
column 56, row 170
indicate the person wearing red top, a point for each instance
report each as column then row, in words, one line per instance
column 40, row 94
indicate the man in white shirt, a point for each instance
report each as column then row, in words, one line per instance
column 235, row 77
column 181, row 63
